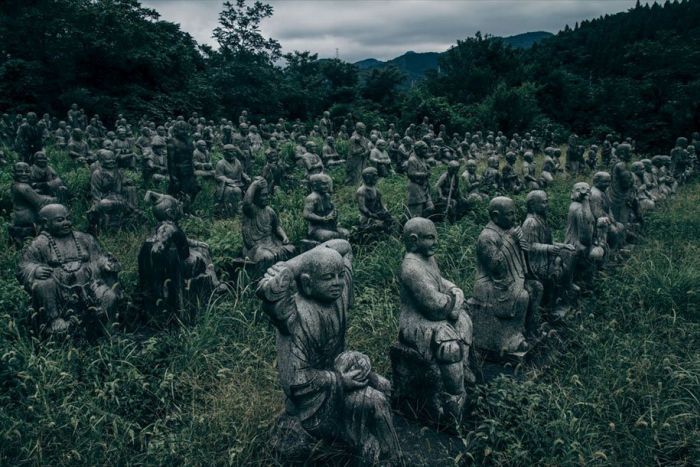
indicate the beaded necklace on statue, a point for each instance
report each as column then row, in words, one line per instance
column 72, row 264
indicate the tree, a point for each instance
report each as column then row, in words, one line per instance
column 239, row 31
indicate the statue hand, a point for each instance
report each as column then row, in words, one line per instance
column 43, row 272
column 353, row 380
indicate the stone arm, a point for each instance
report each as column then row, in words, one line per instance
column 415, row 171
column 168, row 233
column 490, row 254
column 32, row 258
column 98, row 190
column 531, row 235
column 34, row 199
column 277, row 228
column 310, row 211
column 222, row 176
column 362, row 204
column 425, row 292
column 356, row 147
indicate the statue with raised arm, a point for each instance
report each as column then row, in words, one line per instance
column 73, row 283
column 26, row 203
column 431, row 359
column 330, row 393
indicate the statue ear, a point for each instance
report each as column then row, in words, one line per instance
column 305, row 282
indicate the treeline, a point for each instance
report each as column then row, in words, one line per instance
column 635, row 73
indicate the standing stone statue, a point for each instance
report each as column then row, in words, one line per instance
column 374, row 217
column 176, row 274
column 622, row 196
column 202, row 160
column 529, row 170
column 420, row 203
column 550, row 262
column 274, row 169
column 357, row 157
column 26, row 203
column 581, row 229
column 379, row 158
column 330, row 393
column 232, row 181
column 73, row 283
column 264, row 240
column 320, row 212
column 431, row 360
column 183, row 183
column 506, row 300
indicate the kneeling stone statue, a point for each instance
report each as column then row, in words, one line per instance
column 330, row 393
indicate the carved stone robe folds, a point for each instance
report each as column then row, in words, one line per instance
column 504, row 302
column 310, row 336
column 260, row 240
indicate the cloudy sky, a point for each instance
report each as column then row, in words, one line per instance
column 384, row 29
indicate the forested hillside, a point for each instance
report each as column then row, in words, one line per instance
column 634, row 73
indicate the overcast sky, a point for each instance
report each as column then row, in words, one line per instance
column 384, row 29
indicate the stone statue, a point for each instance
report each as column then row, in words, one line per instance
column 113, row 196
column 176, row 274
column 529, row 171
column 506, row 300
column 581, row 230
column 44, row 178
column 420, row 203
column 311, row 160
column 357, row 158
column 330, row 393
column 491, row 182
column 644, row 197
column 154, row 163
column 126, row 158
column 510, row 181
column 600, row 208
column 29, row 138
column 73, row 283
column 623, row 201
column 320, row 212
column 379, row 158
column 472, row 181
column 431, row 360
column 232, row 181
column 202, row 160
column 264, row 240
column 78, row 148
column 329, row 154
column 26, row 203
column 374, row 217
column 549, row 261
column 450, row 201
column 183, row 183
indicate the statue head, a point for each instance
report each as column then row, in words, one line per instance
column 62, row 125
column 273, row 142
column 528, row 156
column 647, row 164
column 121, row 132
column 165, row 207
column 321, row 183
column 452, row 167
column 637, row 167
column 537, row 202
column 420, row 236
column 259, row 192
column 55, row 219
column 511, row 157
column 580, row 191
column 311, row 147
column 40, row 159
column 370, row 176
column 421, row 149
column 180, row 129
column 201, row 145
column 31, row 118
column 107, row 159
column 326, row 114
column 623, row 151
column 229, row 151
column 601, row 180
column 330, row 141
column 493, row 162
column 381, row 144
column 360, row 128
column 471, row 166
column 77, row 134
column 502, row 212
column 682, row 142
column 407, row 141
column 322, row 275
column 21, row 172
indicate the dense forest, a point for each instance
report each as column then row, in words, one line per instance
column 635, row 73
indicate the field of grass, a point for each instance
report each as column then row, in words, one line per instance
column 625, row 389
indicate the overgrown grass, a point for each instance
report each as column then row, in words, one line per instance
column 623, row 391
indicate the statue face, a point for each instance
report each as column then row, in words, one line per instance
column 262, row 197
column 426, row 242
column 40, row 160
column 325, row 282
column 504, row 216
column 602, row 183
column 21, row 173
column 370, row 179
column 108, row 162
column 58, row 223
column 229, row 156
column 540, row 205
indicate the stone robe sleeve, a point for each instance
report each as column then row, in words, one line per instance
column 425, row 290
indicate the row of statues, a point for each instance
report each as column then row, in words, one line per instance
column 523, row 281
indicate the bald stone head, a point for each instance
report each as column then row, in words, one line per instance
column 502, row 212
column 601, row 180
column 55, row 219
column 420, row 236
column 537, row 202
column 322, row 276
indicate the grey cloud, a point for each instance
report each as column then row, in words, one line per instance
column 384, row 29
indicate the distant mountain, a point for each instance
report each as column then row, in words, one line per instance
column 414, row 64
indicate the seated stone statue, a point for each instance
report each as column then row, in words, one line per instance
column 113, row 196
column 450, row 201
column 491, row 182
column 506, row 300
column 320, row 212
column 311, row 160
column 78, row 148
column 202, row 160
column 420, row 203
column 510, row 181
column 26, row 203
column 176, row 274
column 44, row 178
column 72, row 281
column 232, row 181
column 264, row 240
column 644, row 196
column 550, row 262
column 374, row 217
column 431, row 360
column 274, row 170
column 330, row 393
column 126, row 157
column 472, row 181
column 529, row 170
column 329, row 154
